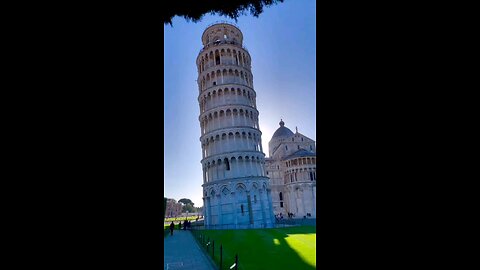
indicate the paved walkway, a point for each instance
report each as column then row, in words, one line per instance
column 181, row 251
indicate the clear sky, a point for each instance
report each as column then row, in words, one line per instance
column 282, row 46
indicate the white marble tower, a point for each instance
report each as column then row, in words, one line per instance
column 236, row 191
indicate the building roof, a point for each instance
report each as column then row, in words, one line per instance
column 282, row 131
column 301, row 153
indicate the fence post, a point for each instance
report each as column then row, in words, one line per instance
column 220, row 256
column 236, row 261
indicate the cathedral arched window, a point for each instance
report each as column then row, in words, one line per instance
column 241, row 207
column 281, row 196
column 311, row 148
column 227, row 164
column 298, row 147
column 286, row 148
column 311, row 176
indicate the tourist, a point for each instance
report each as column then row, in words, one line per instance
column 180, row 225
column 171, row 228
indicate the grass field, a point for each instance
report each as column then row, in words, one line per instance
column 282, row 248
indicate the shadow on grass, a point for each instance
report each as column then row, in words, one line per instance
column 281, row 248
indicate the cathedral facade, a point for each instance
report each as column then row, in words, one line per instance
column 291, row 167
column 236, row 189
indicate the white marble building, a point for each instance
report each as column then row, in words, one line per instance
column 236, row 190
column 291, row 167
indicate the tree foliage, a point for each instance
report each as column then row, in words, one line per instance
column 187, row 205
column 186, row 201
column 164, row 207
column 189, row 208
column 194, row 10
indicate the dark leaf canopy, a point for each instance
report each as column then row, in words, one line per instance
column 194, row 10
column 186, row 201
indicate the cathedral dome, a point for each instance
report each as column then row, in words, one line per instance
column 282, row 131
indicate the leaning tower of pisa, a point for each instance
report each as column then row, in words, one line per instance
column 236, row 191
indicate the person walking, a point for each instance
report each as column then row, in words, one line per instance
column 172, row 226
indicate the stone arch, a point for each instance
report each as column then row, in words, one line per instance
column 240, row 186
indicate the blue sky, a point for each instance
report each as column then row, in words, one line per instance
column 282, row 46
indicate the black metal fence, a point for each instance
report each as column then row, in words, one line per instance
column 295, row 222
column 215, row 251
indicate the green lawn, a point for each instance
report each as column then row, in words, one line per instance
column 282, row 248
